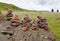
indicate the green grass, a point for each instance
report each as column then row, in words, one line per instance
column 53, row 20
column 4, row 6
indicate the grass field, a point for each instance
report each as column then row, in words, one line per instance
column 53, row 19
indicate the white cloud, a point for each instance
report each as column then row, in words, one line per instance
column 35, row 4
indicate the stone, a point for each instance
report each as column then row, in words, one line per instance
column 28, row 35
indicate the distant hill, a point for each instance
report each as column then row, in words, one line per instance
column 4, row 6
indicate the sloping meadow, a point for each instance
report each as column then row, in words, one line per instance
column 53, row 19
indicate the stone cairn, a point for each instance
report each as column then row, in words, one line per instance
column 15, row 29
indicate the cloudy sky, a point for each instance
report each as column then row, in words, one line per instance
column 35, row 4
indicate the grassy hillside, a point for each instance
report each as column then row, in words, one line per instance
column 4, row 6
column 53, row 20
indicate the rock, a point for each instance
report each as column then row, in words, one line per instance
column 46, row 35
column 36, row 35
column 29, row 35
column 4, row 38
column 23, row 35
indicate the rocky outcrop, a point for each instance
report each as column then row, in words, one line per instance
column 29, row 35
column 36, row 35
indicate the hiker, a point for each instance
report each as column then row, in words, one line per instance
column 52, row 10
column 9, row 14
column 27, row 19
column 57, row 10
column 15, row 21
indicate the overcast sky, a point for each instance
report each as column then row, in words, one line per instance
column 35, row 4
